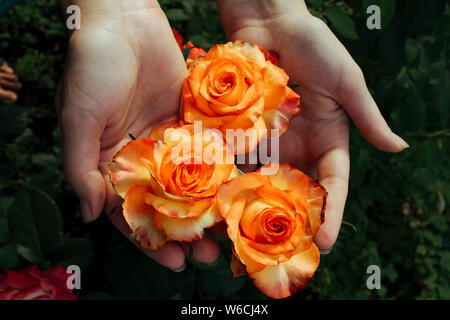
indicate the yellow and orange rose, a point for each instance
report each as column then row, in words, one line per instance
column 234, row 86
column 169, row 183
column 271, row 220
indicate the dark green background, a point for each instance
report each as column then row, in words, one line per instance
column 397, row 210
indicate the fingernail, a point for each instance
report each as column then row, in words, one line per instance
column 86, row 213
column 180, row 268
column 402, row 142
column 212, row 264
column 325, row 251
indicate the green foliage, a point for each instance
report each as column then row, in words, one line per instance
column 397, row 213
column 341, row 22
column 35, row 224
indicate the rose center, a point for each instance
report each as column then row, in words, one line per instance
column 276, row 224
column 188, row 174
column 224, row 82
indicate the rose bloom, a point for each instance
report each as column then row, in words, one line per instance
column 169, row 182
column 271, row 220
column 235, row 87
column 33, row 284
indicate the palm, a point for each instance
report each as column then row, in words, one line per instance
column 125, row 83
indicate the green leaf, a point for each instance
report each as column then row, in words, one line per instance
column 9, row 257
column 133, row 275
column 413, row 48
column 75, row 251
column 6, row 172
column 35, row 224
column 186, row 53
column 13, row 121
column 217, row 281
column 342, row 22
column 391, row 50
column 414, row 111
column 316, row 3
column 175, row 15
column 5, row 203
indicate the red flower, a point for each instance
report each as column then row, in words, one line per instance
column 194, row 53
column 33, row 284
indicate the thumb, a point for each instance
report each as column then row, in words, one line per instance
column 356, row 99
column 81, row 133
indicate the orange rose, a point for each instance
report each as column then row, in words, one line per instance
column 235, row 87
column 271, row 221
column 170, row 195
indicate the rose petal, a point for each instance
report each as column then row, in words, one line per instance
column 56, row 275
column 192, row 84
column 178, row 209
column 131, row 166
column 280, row 117
column 273, row 194
column 243, row 141
column 250, row 51
column 288, row 277
column 317, row 196
column 237, row 268
column 309, row 198
column 139, row 216
column 8, row 294
column 18, row 280
column 188, row 229
column 178, row 38
column 157, row 132
column 275, row 82
column 241, row 186
column 271, row 56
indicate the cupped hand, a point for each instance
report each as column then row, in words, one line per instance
column 331, row 86
column 9, row 83
column 123, row 74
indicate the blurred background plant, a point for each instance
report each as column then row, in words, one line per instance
column 397, row 210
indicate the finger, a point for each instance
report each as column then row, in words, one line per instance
column 359, row 104
column 6, row 68
column 333, row 169
column 7, row 97
column 81, row 134
column 10, row 84
column 170, row 255
column 112, row 199
column 8, row 76
column 206, row 250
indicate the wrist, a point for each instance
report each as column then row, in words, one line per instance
column 267, row 8
column 92, row 10
column 237, row 14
